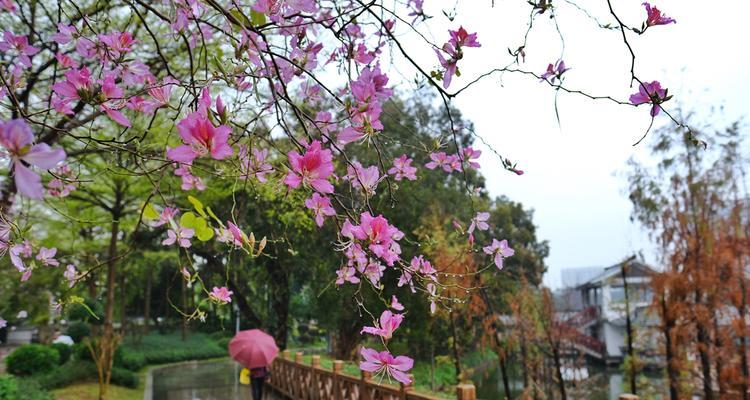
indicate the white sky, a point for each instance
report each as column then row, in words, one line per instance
column 574, row 175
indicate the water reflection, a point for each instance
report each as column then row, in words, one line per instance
column 602, row 384
column 199, row 381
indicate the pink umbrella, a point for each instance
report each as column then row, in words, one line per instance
column 253, row 348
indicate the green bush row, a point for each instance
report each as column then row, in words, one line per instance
column 80, row 370
column 31, row 359
column 12, row 388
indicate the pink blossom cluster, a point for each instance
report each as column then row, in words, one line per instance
column 454, row 162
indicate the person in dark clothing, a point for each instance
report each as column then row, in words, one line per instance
column 257, row 379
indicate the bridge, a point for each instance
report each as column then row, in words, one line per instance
column 295, row 380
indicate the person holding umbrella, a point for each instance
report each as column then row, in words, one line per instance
column 255, row 350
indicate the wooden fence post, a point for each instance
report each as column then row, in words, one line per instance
column 286, row 354
column 406, row 388
column 315, row 364
column 298, row 376
column 627, row 396
column 364, row 391
column 466, row 391
column 338, row 366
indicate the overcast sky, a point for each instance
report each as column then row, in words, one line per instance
column 575, row 173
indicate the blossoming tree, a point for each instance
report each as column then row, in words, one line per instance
column 189, row 95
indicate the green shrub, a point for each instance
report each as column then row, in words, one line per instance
column 223, row 342
column 31, row 359
column 64, row 350
column 12, row 388
column 162, row 349
column 78, row 330
column 8, row 387
column 78, row 312
column 130, row 360
column 75, row 371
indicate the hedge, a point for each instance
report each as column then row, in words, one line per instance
column 80, row 370
column 12, row 388
column 30, row 359
column 163, row 349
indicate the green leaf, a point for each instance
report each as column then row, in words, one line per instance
column 189, row 220
column 149, row 212
column 211, row 213
column 198, row 205
column 257, row 18
column 204, row 234
column 239, row 16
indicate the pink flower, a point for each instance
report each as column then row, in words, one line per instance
column 554, row 72
column 311, row 169
column 70, row 274
column 238, row 237
column 346, row 274
column 189, row 181
column 381, row 236
column 64, row 33
column 500, row 250
column 47, row 256
column 469, row 155
column 462, row 38
column 16, row 138
column 118, row 43
column 395, row 304
column 479, row 222
column 655, row 17
column 450, row 65
column 201, row 138
column 18, row 253
column 384, row 362
column 63, row 183
column 114, row 102
column 255, row 165
column 402, row 168
column 388, row 323
column 19, row 45
column 181, row 236
column 221, row 295
column 442, row 160
column 167, row 215
column 321, row 206
column 650, row 92
column 366, row 179
column 77, row 84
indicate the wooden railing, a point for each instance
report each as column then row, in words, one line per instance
column 299, row 381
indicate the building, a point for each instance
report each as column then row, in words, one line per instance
column 593, row 303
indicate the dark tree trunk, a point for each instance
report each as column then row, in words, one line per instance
column 456, row 352
column 279, row 302
column 183, row 305
column 704, row 344
column 558, row 370
column 147, row 305
column 743, row 342
column 123, row 305
column 672, row 372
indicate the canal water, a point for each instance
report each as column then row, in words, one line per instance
column 601, row 384
column 200, row 381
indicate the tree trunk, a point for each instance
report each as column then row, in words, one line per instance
column 704, row 344
column 456, row 353
column 147, row 306
column 107, row 342
column 743, row 341
column 672, row 372
column 558, row 370
column 279, row 302
column 123, row 311
column 183, row 305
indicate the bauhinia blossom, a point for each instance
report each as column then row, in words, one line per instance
column 181, row 236
column 70, row 274
column 655, row 17
column 385, row 327
column 378, row 233
column 321, row 207
column 16, row 139
column 47, row 256
column 454, row 48
column 650, row 92
column 402, row 169
column 500, row 250
column 395, row 304
column 346, row 274
column 554, row 72
column 18, row 45
column 313, row 168
column 221, row 295
column 383, row 362
column 201, row 138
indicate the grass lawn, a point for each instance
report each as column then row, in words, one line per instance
column 90, row 391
